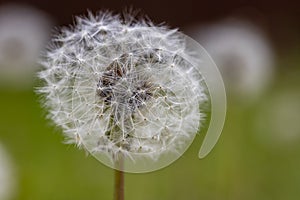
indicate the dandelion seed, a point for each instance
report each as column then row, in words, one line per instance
column 119, row 87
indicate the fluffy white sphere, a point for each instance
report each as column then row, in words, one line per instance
column 277, row 119
column 242, row 53
column 124, row 89
column 23, row 33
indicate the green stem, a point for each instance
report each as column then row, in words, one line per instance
column 119, row 180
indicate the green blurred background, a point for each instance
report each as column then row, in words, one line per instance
column 257, row 156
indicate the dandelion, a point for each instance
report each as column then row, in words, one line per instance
column 243, row 54
column 23, row 33
column 277, row 112
column 6, row 175
column 129, row 92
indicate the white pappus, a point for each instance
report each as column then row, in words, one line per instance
column 117, row 85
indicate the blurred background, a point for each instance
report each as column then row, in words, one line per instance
column 257, row 49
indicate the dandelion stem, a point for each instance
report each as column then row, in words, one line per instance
column 119, row 180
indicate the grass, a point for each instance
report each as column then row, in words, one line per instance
column 240, row 166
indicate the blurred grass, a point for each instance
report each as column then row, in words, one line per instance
column 240, row 166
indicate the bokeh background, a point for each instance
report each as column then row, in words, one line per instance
column 257, row 156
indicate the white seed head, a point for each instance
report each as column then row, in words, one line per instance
column 23, row 33
column 120, row 86
column 7, row 182
column 276, row 123
column 242, row 52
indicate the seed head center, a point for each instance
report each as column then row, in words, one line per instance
column 124, row 83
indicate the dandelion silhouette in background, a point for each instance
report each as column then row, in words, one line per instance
column 6, row 176
column 243, row 54
column 23, row 33
column 279, row 110
column 131, row 93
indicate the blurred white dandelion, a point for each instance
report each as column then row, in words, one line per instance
column 277, row 121
column 23, row 33
column 7, row 183
column 243, row 54
column 117, row 85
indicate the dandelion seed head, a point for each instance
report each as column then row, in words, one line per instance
column 23, row 33
column 243, row 53
column 7, row 181
column 117, row 85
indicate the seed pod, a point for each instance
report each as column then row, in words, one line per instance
column 124, row 89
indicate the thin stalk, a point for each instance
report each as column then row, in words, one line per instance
column 119, row 179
